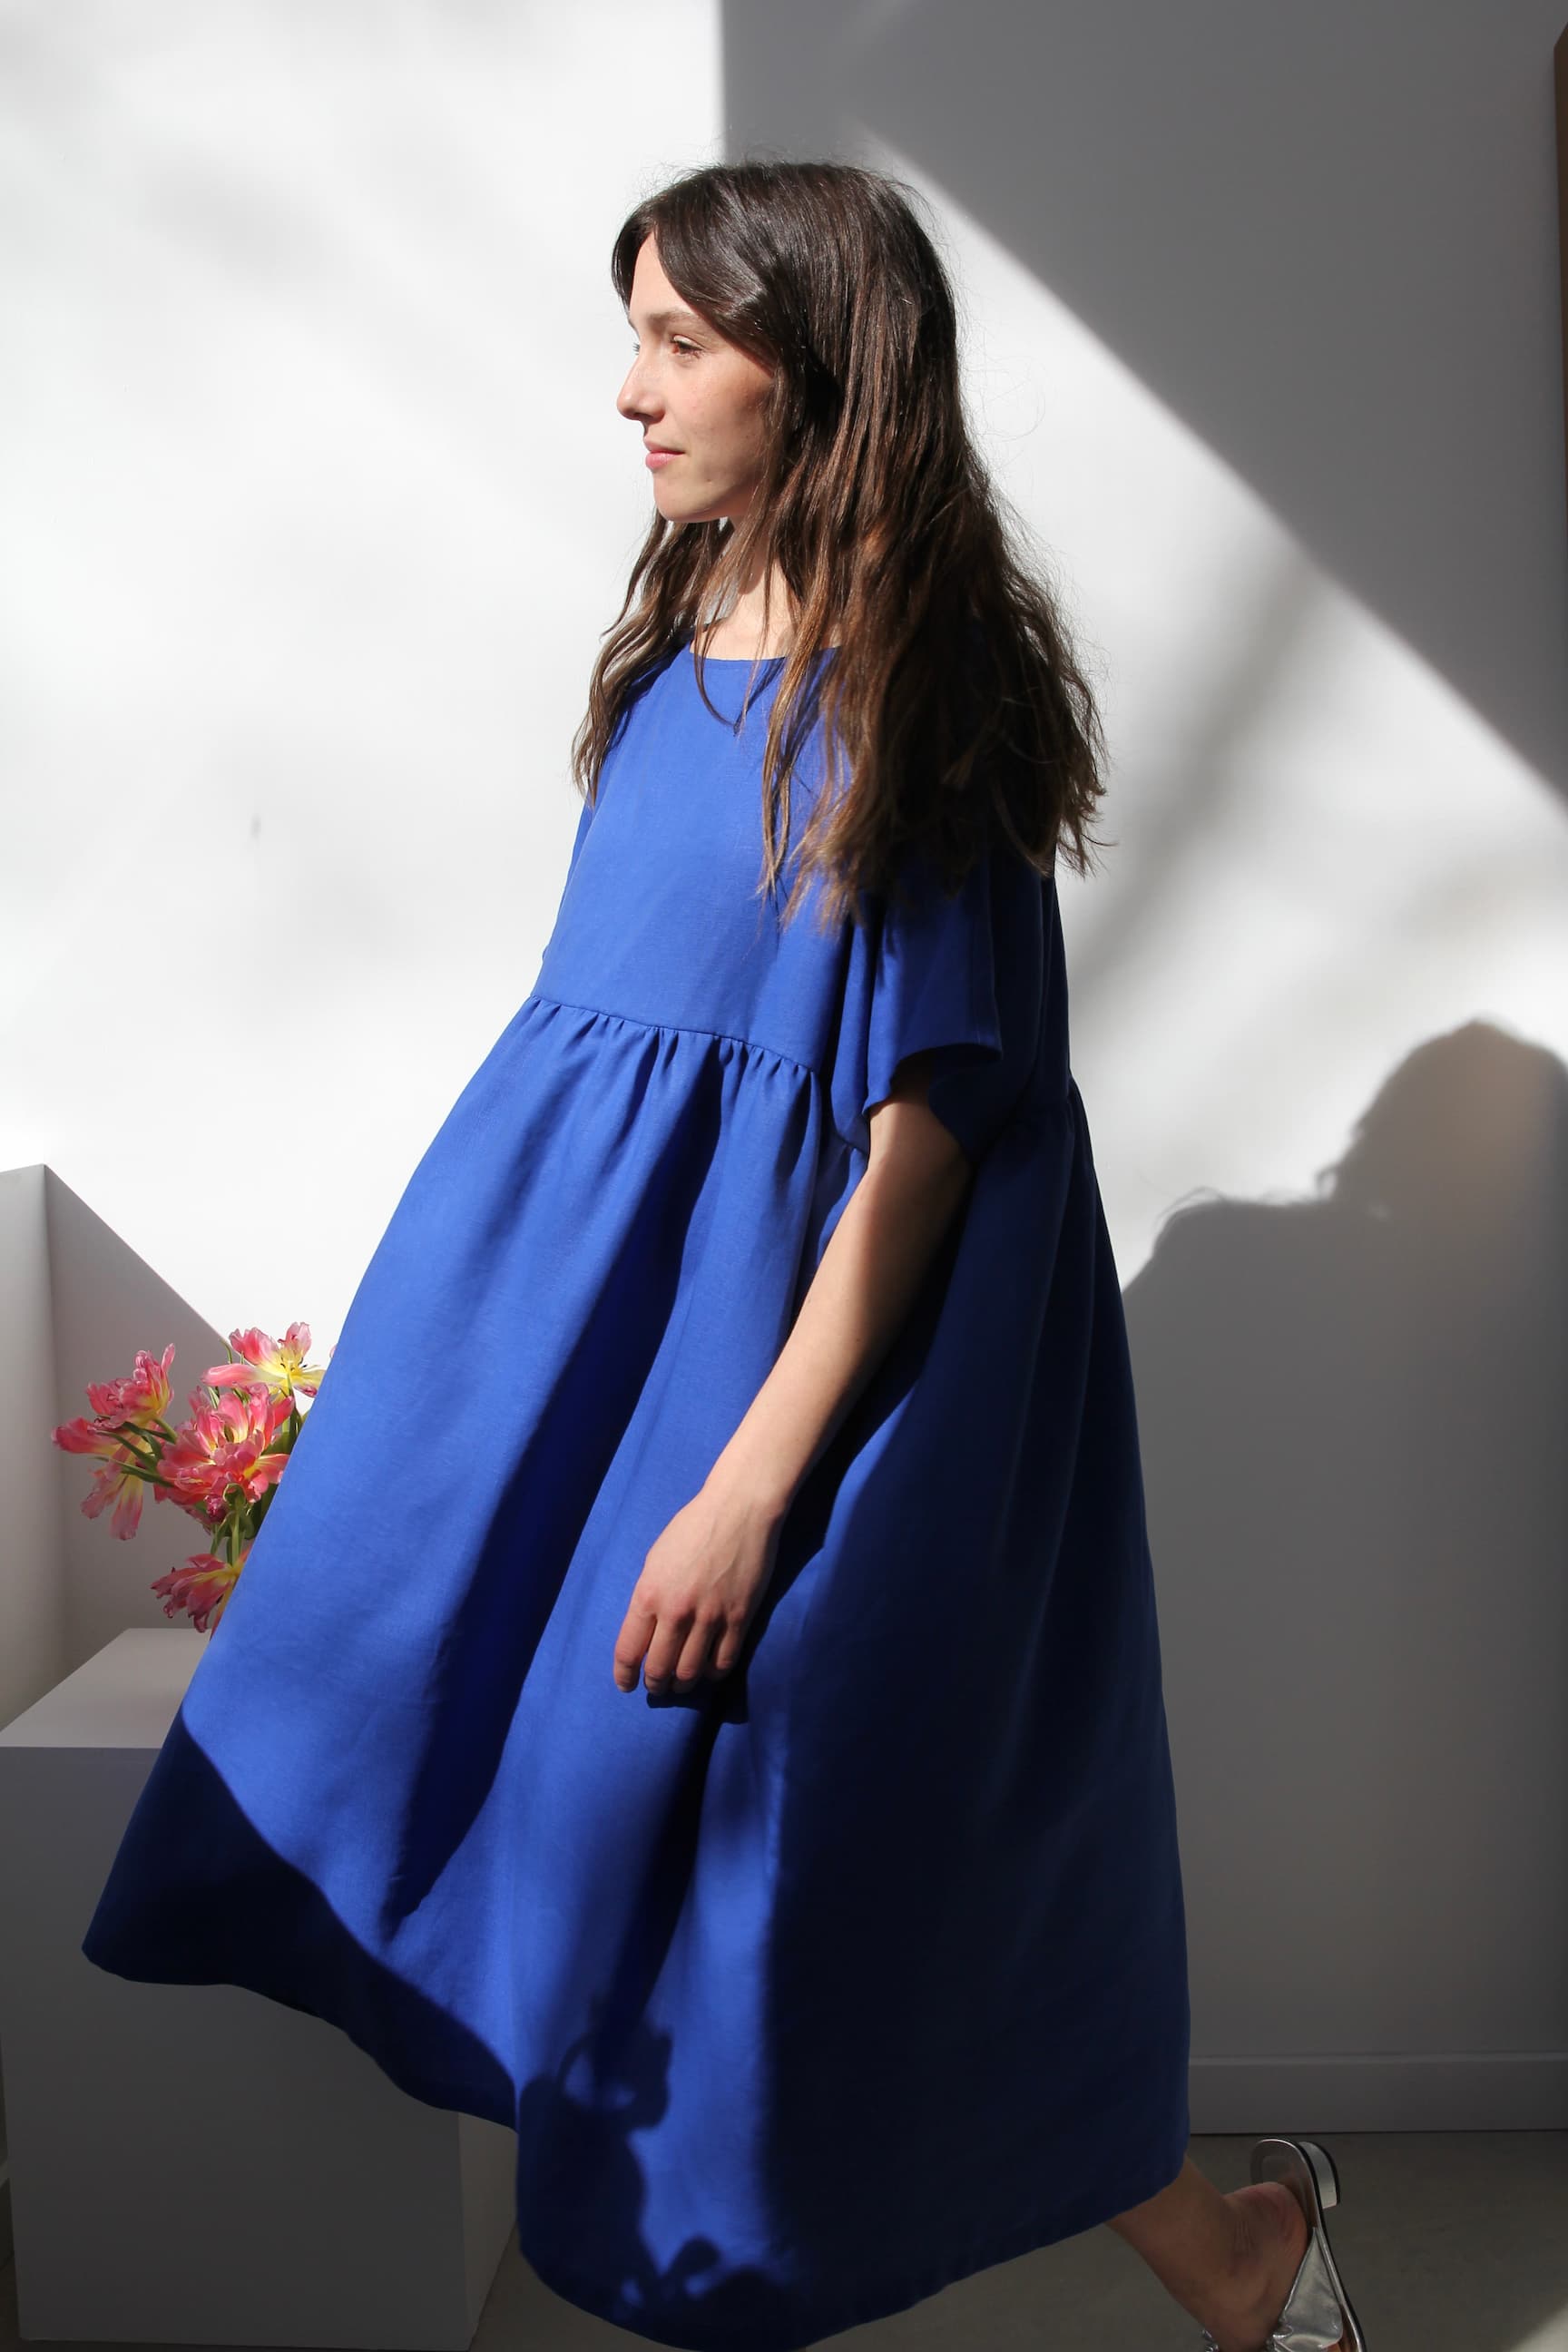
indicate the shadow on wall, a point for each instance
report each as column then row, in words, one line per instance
column 1347, row 1405
column 1266, row 214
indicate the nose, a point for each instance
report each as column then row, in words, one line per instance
column 632, row 400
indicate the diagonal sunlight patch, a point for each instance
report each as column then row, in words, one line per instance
column 1326, row 857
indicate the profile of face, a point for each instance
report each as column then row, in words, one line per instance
column 696, row 395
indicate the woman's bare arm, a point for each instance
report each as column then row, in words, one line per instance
column 916, row 1175
column 703, row 1576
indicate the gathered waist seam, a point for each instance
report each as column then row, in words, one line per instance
column 674, row 1028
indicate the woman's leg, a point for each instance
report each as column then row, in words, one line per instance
column 1228, row 2260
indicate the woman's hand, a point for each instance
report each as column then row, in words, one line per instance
column 699, row 1586
column 701, row 1581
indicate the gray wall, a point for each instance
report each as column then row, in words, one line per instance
column 1319, row 244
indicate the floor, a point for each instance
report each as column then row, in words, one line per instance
column 1448, row 2242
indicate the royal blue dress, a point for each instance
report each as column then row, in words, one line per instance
column 828, row 1983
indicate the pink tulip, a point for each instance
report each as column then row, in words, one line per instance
column 279, row 1362
column 219, row 1466
column 202, row 1585
column 225, row 1445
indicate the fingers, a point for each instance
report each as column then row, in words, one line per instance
column 693, row 1659
column 681, row 1649
column 636, row 1628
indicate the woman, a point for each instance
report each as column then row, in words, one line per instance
column 793, row 1387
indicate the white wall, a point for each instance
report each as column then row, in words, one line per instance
column 316, row 502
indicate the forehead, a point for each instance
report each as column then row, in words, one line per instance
column 653, row 298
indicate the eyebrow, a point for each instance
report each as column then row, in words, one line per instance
column 669, row 317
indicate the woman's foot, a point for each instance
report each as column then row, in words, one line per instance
column 1232, row 2262
column 1271, row 2235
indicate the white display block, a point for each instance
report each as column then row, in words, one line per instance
column 195, row 2163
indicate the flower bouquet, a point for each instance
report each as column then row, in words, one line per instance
column 220, row 1466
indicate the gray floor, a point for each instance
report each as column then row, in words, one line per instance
column 1445, row 2240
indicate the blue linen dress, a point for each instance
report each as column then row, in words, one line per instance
column 835, row 1980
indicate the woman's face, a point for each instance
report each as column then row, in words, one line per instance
column 691, row 391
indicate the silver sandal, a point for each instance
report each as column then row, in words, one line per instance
column 1317, row 2317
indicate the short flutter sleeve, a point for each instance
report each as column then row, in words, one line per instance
column 957, row 974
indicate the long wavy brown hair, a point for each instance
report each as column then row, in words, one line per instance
column 954, row 695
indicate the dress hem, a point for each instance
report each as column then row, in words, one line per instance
column 754, row 2335
column 872, row 2304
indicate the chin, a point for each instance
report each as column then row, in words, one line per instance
column 674, row 511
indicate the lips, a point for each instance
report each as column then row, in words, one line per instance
column 658, row 449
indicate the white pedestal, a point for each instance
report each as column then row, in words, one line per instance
column 193, row 2163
